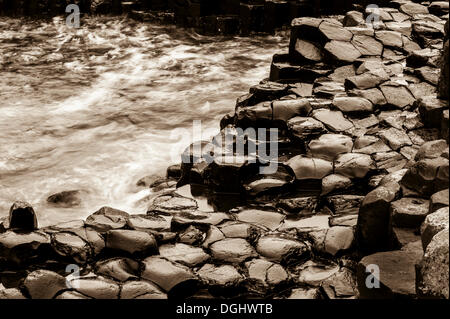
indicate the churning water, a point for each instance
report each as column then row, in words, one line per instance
column 94, row 108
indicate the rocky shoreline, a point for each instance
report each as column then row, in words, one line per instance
column 361, row 184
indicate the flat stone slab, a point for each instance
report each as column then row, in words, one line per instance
column 432, row 273
column 328, row 146
column 349, row 104
column 341, row 285
column 150, row 221
column 11, row 293
column 233, row 250
column 344, row 204
column 439, row 200
column 141, row 289
column 224, row 276
column 72, row 246
column 397, row 96
column 96, row 287
column 107, row 218
column 304, row 293
column 390, row 38
column 397, row 274
column 409, row 212
column 21, row 247
column 304, row 127
column 395, row 138
column 342, row 51
column 353, row 165
column 236, row 229
column 44, row 284
column 303, row 206
column 335, row 182
column 309, row 168
column 333, row 30
column 433, row 224
column 131, row 241
column 314, row 223
column 367, row 45
column 265, row 272
column 333, row 120
column 121, row 269
column 166, row 274
column 404, row 236
column 197, row 218
column 369, row 144
column 313, row 273
column 308, row 50
column 346, row 220
column 338, row 239
column 173, row 203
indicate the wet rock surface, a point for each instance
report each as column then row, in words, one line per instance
column 141, row 289
column 279, row 249
column 22, row 248
column 409, row 212
column 66, row 198
column 166, row 274
column 233, row 250
column 433, row 224
column 131, row 241
column 121, row 269
column 44, row 284
column 184, row 254
column 96, row 287
column 71, row 246
column 107, row 218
